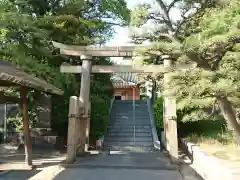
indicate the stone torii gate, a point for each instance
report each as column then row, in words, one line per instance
column 76, row 140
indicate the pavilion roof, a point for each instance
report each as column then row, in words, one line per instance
column 10, row 75
column 124, row 79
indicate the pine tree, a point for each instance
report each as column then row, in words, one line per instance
column 209, row 36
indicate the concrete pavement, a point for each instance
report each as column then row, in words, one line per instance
column 106, row 166
column 117, row 174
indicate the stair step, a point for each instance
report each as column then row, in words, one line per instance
column 139, row 144
column 124, row 112
column 128, row 148
column 130, row 114
column 128, row 139
column 130, row 118
column 130, row 135
column 145, row 133
column 124, row 126
column 121, row 120
column 129, row 107
column 129, row 131
column 130, row 123
column 131, row 127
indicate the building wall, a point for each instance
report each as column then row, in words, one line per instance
column 127, row 93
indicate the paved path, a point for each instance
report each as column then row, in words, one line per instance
column 14, row 168
column 134, row 166
column 117, row 174
column 139, row 166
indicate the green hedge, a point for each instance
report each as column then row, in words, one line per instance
column 99, row 116
column 158, row 113
column 201, row 127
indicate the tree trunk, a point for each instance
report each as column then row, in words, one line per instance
column 229, row 114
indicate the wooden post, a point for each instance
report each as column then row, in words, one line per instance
column 84, row 98
column 170, row 122
column 26, row 131
column 73, row 129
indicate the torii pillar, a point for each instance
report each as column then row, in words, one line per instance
column 84, row 99
column 170, row 117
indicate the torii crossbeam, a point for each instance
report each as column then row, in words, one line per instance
column 96, row 51
column 86, row 53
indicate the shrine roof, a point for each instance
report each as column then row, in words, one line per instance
column 10, row 75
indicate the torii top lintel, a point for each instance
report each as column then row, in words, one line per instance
column 96, row 51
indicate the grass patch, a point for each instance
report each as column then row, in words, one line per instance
column 221, row 145
column 223, row 138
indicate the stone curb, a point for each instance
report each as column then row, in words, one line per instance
column 208, row 166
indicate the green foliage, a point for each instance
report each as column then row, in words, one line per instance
column 16, row 122
column 213, row 48
column 209, row 37
column 215, row 137
column 99, row 116
column 201, row 127
column 27, row 29
column 143, row 97
column 158, row 113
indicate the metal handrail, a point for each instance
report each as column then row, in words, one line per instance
column 134, row 121
column 109, row 113
column 156, row 141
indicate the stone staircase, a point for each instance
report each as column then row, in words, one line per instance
column 126, row 133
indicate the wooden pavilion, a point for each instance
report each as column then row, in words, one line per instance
column 11, row 76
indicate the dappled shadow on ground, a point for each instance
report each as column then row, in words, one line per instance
column 20, row 171
column 139, row 165
column 13, row 166
column 15, row 159
column 187, row 172
column 41, row 162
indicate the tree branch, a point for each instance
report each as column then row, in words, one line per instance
column 220, row 51
column 161, row 20
column 166, row 15
column 172, row 4
column 167, row 36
